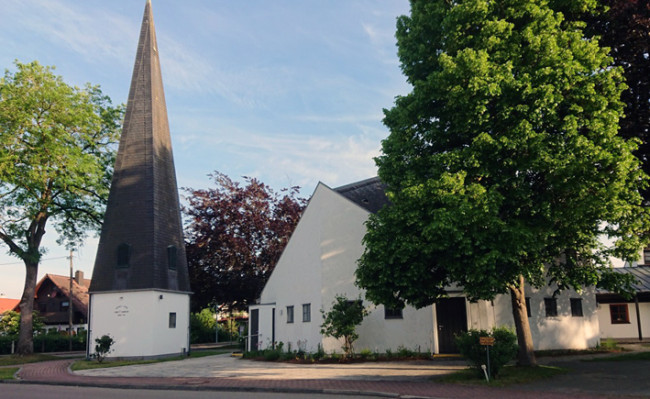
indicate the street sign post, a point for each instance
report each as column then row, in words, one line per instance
column 487, row 342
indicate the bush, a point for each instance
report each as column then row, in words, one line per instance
column 504, row 349
column 103, row 347
column 59, row 342
column 342, row 320
column 50, row 342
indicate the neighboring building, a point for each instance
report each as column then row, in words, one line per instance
column 7, row 304
column 627, row 319
column 52, row 301
column 319, row 261
column 140, row 294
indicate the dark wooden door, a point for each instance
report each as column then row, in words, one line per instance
column 255, row 328
column 451, row 319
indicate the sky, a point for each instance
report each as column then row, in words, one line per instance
column 290, row 92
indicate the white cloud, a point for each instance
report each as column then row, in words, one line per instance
column 79, row 28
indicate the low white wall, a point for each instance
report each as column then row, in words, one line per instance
column 628, row 330
column 563, row 331
column 138, row 321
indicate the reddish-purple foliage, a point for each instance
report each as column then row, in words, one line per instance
column 235, row 236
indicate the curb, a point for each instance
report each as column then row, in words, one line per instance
column 195, row 388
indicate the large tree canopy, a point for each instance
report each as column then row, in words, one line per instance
column 503, row 164
column 57, row 145
column 624, row 27
column 235, row 237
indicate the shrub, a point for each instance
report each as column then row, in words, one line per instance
column 503, row 351
column 342, row 320
column 103, row 347
column 59, row 342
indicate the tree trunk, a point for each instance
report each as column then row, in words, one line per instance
column 26, row 335
column 526, row 356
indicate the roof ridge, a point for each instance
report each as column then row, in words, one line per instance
column 357, row 184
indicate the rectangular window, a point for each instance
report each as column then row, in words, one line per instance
column 289, row 314
column 551, row 307
column 171, row 257
column 646, row 256
column 619, row 314
column 390, row 313
column 172, row 320
column 64, row 305
column 306, row 312
column 528, row 306
column 123, row 256
column 576, row 307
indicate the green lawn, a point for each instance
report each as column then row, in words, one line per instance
column 510, row 375
column 93, row 364
column 15, row 359
column 8, row 373
column 624, row 357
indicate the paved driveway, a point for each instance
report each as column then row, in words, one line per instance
column 224, row 366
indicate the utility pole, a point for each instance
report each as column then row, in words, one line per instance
column 70, row 311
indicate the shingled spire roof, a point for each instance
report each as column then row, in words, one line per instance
column 141, row 244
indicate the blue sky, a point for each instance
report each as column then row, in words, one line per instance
column 289, row 92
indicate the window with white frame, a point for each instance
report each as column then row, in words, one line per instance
column 306, row 312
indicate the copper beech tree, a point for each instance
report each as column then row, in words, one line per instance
column 235, row 236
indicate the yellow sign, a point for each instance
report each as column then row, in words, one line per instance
column 486, row 341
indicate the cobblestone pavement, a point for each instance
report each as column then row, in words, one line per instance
column 410, row 379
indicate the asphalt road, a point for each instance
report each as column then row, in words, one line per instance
column 28, row 391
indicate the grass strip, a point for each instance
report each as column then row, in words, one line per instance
column 92, row 364
column 7, row 373
column 623, row 358
column 15, row 359
column 509, row 375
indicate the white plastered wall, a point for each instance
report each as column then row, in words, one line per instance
column 627, row 330
column 138, row 321
column 295, row 281
column 563, row 331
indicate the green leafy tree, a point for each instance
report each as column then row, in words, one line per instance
column 623, row 26
column 57, row 145
column 503, row 165
column 203, row 326
column 10, row 323
column 342, row 320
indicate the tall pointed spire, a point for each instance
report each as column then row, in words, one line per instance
column 141, row 244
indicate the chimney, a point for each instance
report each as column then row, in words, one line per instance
column 79, row 277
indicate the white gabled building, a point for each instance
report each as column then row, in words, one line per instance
column 319, row 263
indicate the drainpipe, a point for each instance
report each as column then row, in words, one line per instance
column 638, row 316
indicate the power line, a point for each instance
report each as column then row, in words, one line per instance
column 42, row 260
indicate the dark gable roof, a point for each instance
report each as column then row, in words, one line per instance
column 62, row 283
column 370, row 194
column 640, row 273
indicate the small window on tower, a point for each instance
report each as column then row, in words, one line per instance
column 123, row 255
column 171, row 257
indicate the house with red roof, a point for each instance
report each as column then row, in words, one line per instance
column 8, row 304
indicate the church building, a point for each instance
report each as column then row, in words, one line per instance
column 140, row 292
